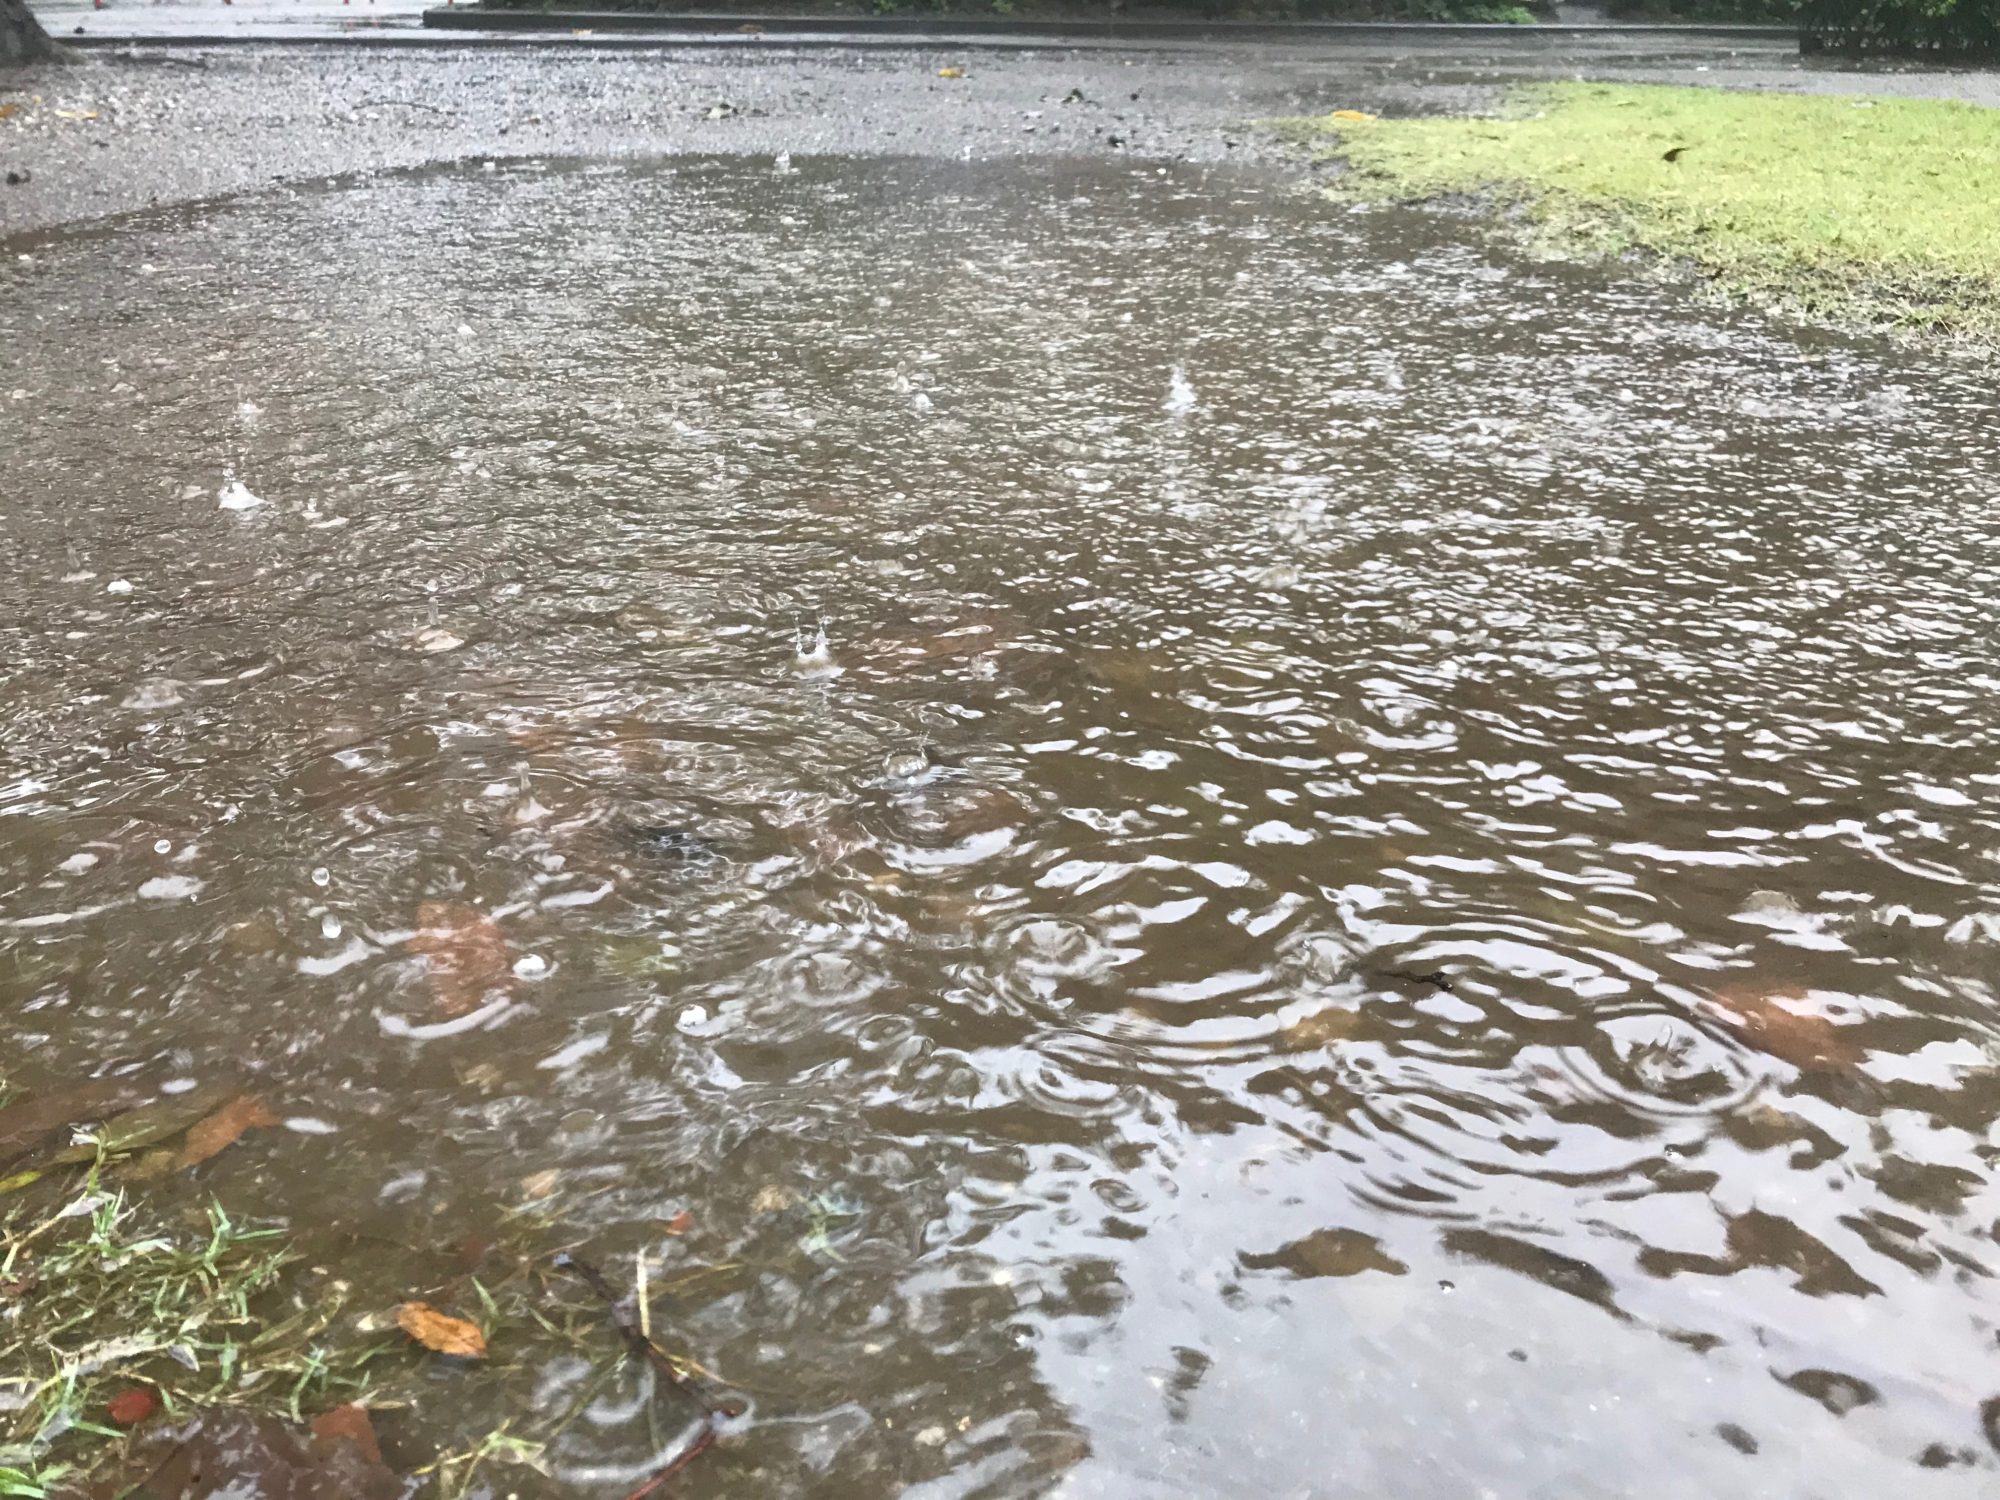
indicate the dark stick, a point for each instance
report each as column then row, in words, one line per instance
column 627, row 1324
column 704, row 1440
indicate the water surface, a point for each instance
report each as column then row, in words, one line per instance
column 1409, row 912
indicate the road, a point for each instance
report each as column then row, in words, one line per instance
column 151, row 126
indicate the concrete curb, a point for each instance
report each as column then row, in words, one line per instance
column 946, row 28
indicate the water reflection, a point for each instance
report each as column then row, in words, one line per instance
column 1416, row 917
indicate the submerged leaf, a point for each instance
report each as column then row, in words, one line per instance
column 148, row 1125
column 465, row 953
column 1785, row 1024
column 220, row 1130
column 347, row 1424
column 439, row 1333
column 131, row 1407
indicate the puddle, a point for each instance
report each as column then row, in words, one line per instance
column 1229, row 847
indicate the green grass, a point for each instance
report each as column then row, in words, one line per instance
column 1841, row 209
column 100, row 1299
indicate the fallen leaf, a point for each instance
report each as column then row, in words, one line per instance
column 1327, row 1252
column 1352, row 116
column 750, row 28
column 8, row 111
column 773, row 1198
column 22, row 1126
column 1784, row 1024
column 220, row 1130
column 680, row 1223
column 465, row 954
column 440, row 1334
column 347, row 1424
column 147, row 1125
column 130, row 1408
column 951, row 72
column 1672, row 155
column 541, row 1184
column 76, row 114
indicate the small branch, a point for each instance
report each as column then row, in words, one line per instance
column 402, row 104
column 638, row 1341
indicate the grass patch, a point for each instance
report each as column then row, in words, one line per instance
column 97, row 1301
column 1877, row 212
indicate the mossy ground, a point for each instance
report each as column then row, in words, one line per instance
column 1868, row 211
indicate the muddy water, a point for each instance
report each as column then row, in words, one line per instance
column 1409, row 912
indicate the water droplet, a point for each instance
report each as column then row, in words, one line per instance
column 322, row 877
column 1180, row 393
column 906, row 765
column 235, row 495
column 814, row 655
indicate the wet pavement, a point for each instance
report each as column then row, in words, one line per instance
column 1155, row 838
column 162, row 125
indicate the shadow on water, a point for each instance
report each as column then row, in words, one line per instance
column 1410, row 911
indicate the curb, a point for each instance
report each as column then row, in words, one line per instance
column 945, row 28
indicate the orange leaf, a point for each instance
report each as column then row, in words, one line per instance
column 130, row 1408
column 350, row 1424
column 440, row 1334
column 681, row 1222
column 8, row 111
column 219, row 1131
column 1785, row 1023
column 466, row 954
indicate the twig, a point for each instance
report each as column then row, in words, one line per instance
column 639, row 1342
column 704, row 1440
column 402, row 104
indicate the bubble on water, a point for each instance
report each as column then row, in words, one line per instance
column 322, row 877
column 1180, row 393
column 329, row 926
column 155, row 693
column 434, row 639
column 691, row 1020
column 171, row 888
column 118, row 586
column 76, row 864
column 906, row 765
column 783, row 165
column 235, row 495
column 530, row 966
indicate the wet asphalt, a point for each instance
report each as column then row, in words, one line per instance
column 150, row 127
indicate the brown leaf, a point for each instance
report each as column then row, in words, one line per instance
column 440, row 1334
column 466, row 955
column 23, row 1126
column 347, row 1424
column 219, row 1131
column 1785, row 1024
column 8, row 111
column 681, row 1222
column 131, row 1407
